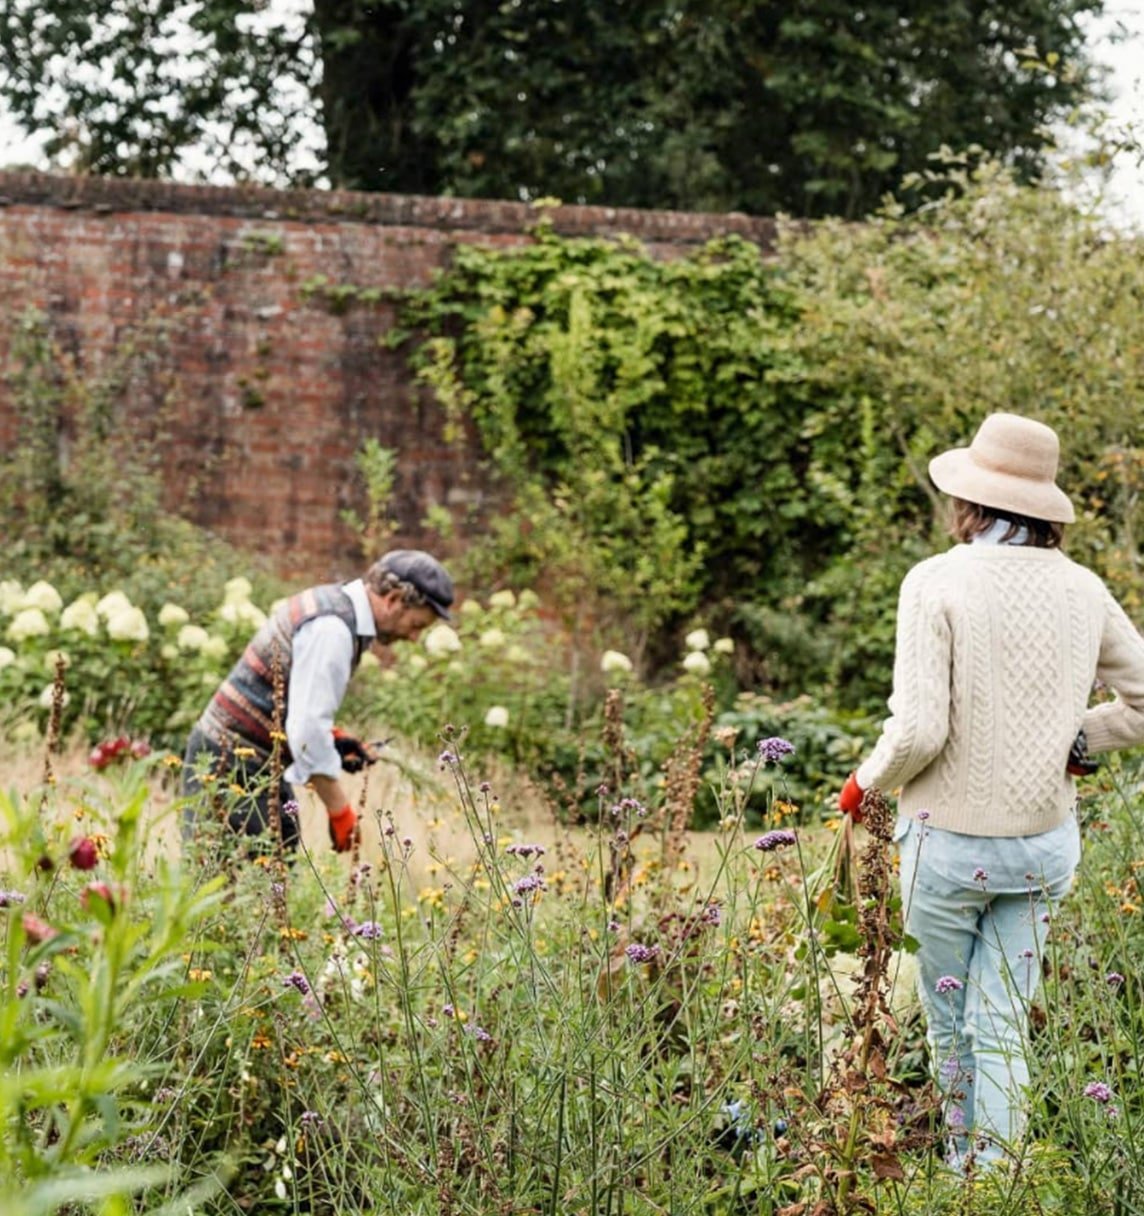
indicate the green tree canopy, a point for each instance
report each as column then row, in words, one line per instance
column 814, row 108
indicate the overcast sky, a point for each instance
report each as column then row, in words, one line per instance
column 1118, row 42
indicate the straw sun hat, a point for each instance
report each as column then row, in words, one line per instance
column 1011, row 465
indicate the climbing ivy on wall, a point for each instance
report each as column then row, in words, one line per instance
column 745, row 437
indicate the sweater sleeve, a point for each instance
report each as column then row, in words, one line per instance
column 918, row 725
column 1120, row 722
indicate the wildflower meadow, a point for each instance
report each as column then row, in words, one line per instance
column 511, row 998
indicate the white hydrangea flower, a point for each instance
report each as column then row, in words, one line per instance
column 237, row 590
column 48, row 693
column 614, row 660
column 51, row 658
column 111, row 603
column 192, row 637
column 517, row 655
column 169, row 651
column 25, row 732
column 724, row 646
column 7, row 657
column 251, row 614
column 491, row 639
column 214, row 647
column 80, row 615
column 128, row 625
column 417, row 662
column 171, row 616
column 528, row 599
column 441, row 640
column 11, row 595
column 369, row 659
column 455, row 667
column 697, row 663
column 44, row 596
column 28, row 623
column 497, row 716
column 471, row 608
column 502, row 599
column 697, row 639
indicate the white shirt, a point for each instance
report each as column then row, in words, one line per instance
column 323, row 654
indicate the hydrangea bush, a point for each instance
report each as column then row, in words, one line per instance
column 122, row 669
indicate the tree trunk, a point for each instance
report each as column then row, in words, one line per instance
column 369, row 53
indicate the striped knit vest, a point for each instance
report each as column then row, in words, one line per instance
column 242, row 710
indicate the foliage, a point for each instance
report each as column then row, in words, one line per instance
column 532, row 1025
column 731, row 104
column 774, row 417
column 376, row 466
column 93, row 980
column 627, row 403
column 122, row 103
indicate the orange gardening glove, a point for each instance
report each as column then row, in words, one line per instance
column 850, row 800
column 343, row 828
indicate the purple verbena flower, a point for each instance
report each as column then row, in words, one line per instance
column 772, row 750
column 613, row 926
column 530, row 882
column 478, row 1032
column 1114, row 979
column 310, row 1118
column 780, row 838
column 1027, row 954
column 369, row 930
column 9, row 899
column 1098, row 1091
column 447, row 1011
column 923, row 816
column 980, row 875
column 290, row 808
column 298, row 981
column 947, row 984
column 446, row 759
column 527, row 850
column 641, row 954
column 711, row 915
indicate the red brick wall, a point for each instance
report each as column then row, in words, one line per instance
column 257, row 396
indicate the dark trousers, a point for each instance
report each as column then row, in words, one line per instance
column 243, row 780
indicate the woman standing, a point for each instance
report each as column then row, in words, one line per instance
column 999, row 643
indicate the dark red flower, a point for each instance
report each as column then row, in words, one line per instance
column 83, row 853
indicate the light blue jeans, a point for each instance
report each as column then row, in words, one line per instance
column 979, row 907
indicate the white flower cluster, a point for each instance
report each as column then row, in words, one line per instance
column 39, row 611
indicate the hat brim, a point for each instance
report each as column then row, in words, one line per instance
column 439, row 609
column 956, row 473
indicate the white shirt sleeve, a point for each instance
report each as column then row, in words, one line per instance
column 320, row 668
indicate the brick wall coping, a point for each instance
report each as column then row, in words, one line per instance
column 109, row 195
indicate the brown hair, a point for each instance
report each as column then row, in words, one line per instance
column 970, row 519
column 382, row 581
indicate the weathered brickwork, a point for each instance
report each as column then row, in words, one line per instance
column 257, row 392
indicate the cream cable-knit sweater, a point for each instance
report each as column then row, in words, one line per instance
column 998, row 648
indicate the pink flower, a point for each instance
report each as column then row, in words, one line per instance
column 38, row 931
